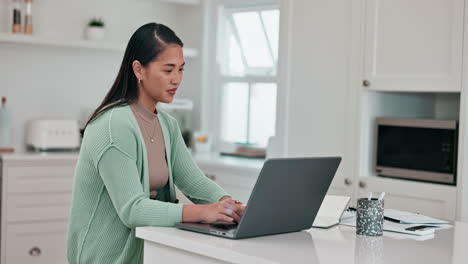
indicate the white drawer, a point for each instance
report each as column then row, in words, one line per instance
column 37, row 179
column 32, row 207
column 43, row 243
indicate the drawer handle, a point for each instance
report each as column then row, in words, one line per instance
column 347, row 182
column 362, row 184
column 35, row 251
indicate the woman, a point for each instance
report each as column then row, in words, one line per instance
column 131, row 157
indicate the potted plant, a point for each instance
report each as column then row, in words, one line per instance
column 95, row 29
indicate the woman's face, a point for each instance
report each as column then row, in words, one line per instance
column 161, row 78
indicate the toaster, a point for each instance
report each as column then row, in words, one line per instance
column 52, row 135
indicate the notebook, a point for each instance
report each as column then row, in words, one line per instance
column 330, row 211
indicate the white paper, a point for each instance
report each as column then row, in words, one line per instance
column 349, row 219
column 412, row 218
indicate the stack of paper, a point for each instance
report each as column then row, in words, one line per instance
column 401, row 221
column 412, row 218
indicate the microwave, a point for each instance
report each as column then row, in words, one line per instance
column 417, row 149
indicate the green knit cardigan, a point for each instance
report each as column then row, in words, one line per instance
column 111, row 188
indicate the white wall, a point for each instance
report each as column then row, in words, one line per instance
column 191, row 31
column 318, row 87
column 64, row 82
column 313, row 91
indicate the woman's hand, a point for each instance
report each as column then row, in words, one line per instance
column 227, row 210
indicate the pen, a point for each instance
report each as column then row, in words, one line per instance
column 370, row 196
column 381, row 196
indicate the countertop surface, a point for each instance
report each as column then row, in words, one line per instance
column 339, row 244
column 24, row 155
column 215, row 159
column 211, row 159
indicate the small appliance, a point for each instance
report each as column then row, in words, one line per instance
column 417, row 149
column 52, row 135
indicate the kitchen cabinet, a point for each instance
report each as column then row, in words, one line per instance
column 413, row 45
column 36, row 198
column 370, row 58
column 431, row 199
column 406, row 62
column 312, row 108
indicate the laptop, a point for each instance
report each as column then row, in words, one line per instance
column 286, row 198
column 330, row 211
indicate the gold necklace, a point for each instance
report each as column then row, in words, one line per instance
column 146, row 132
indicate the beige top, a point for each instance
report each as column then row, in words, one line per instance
column 154, row 142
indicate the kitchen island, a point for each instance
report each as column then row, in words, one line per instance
column 339, row 244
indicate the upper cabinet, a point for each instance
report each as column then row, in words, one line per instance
column 413, row 45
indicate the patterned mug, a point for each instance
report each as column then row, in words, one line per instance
column 369, row 217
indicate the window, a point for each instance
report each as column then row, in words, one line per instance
column 247, row 55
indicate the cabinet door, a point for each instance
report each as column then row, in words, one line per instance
column 38, row 243
column 38, row 207
column 413, row 45
column 342, row 184
column 430, row 199
column 39, row 178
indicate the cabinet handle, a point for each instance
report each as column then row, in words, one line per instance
column 362, row 184
column 35, row 251
column 347, row 182
column 366, row 83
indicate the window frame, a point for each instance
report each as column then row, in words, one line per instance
column 212, row 92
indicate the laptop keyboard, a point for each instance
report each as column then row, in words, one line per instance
column 225, row 226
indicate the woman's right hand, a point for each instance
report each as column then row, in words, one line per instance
column 225, row 210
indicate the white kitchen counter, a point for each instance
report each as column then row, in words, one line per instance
column 339, row 244
column 213, row 159
column 226, row 162
column 20, row 156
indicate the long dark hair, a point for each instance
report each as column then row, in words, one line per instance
column 145, row 45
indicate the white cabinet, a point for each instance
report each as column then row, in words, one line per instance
column 41, row 242
column 435, row 200
column 313, row 89
column 406, row 61
column 413, row 45
column 36, row 199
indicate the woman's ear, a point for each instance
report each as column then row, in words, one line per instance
column 137, row 69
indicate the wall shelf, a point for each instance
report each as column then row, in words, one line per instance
column 85, row 44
